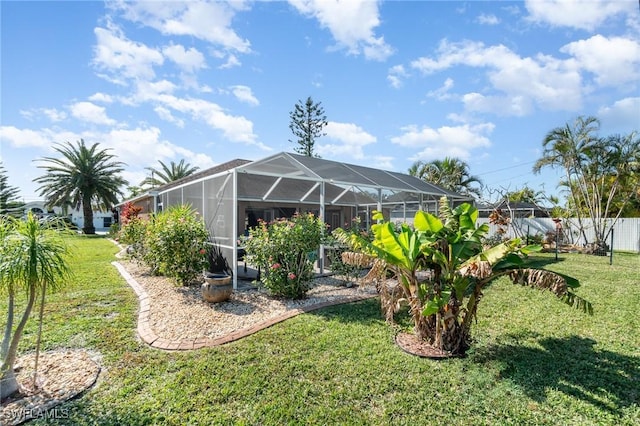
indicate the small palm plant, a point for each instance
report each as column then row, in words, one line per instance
column 442, row 270
column 32, row 257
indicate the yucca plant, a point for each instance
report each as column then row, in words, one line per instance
column 442, row 270
column 32, row 257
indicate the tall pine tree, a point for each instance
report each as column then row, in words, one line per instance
column 307, row 121
column 9, row 199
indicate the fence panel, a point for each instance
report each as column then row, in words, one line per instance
column 626, row 231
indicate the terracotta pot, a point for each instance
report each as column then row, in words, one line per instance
column 216, row 287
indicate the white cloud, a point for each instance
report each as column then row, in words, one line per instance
column 351, row 24
column 244, row 94
column 457, row 141
column 585, row 15
column 91, row 113
column 395, row 76
column 189, row 60
column 442, row 93
column 544, row 81
column 165, row 114
column 624, row 113
column 350, row 138
column 518, row 106
column 123, row 59
column 147, row 91
column 382, row 162
column 235, row 128
column 232, row 62
column 101, row 97
column 209, row 21
column 24, row 138
column 52, row 114
column 614, row 61
column 140, row 147
column 137, row 148
column 490, row 19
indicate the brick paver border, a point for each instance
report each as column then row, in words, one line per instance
column 152, row 339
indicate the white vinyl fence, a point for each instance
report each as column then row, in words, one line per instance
column 626, row 231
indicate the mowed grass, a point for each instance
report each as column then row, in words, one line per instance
column 534, row 359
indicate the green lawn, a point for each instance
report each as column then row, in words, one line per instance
column 534, row 360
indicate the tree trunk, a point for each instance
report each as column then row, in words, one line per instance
column 4, row 347
column 8, row 381
column 87, row 213
column 39, row 338
column 422, row 327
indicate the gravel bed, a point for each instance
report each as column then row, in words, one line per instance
column 180, row 313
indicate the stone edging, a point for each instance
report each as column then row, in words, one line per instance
column 152, row 339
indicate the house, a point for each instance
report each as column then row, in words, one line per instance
column 514, row 209
column 232, row 197
column 101, row 219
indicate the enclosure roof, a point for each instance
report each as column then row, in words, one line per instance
column 229, row 165
column 291, row 165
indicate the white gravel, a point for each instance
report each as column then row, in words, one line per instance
column 180, row 313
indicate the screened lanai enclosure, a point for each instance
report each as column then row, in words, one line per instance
column 232, row 198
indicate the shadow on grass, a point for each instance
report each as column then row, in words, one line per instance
column 605, row 379
column 542, row 261
column 364, row 312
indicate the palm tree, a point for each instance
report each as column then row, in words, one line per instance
column 597, row 171
column 525, row 195
column 33, row 257
column 84, row 176
column 450, row 173
column 168, row 174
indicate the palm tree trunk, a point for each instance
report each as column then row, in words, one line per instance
column 87, row 213
column 8, row 381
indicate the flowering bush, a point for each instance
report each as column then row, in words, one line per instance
column 175, row 244
column 286, row 249
column 129, row 211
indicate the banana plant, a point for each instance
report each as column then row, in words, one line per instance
column 442, row 269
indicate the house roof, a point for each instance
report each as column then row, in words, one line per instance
column 512, row 205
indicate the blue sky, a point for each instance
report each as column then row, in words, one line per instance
column 399, row 81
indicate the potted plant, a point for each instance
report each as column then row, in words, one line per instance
column 217, row 286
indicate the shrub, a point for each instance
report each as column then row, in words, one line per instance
column 132, row 233
column 174, row 244
column 349, row 273
column 286, row 250
column 114, row 230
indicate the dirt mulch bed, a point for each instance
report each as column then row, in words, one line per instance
column 412, row 345
column 62, row 375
